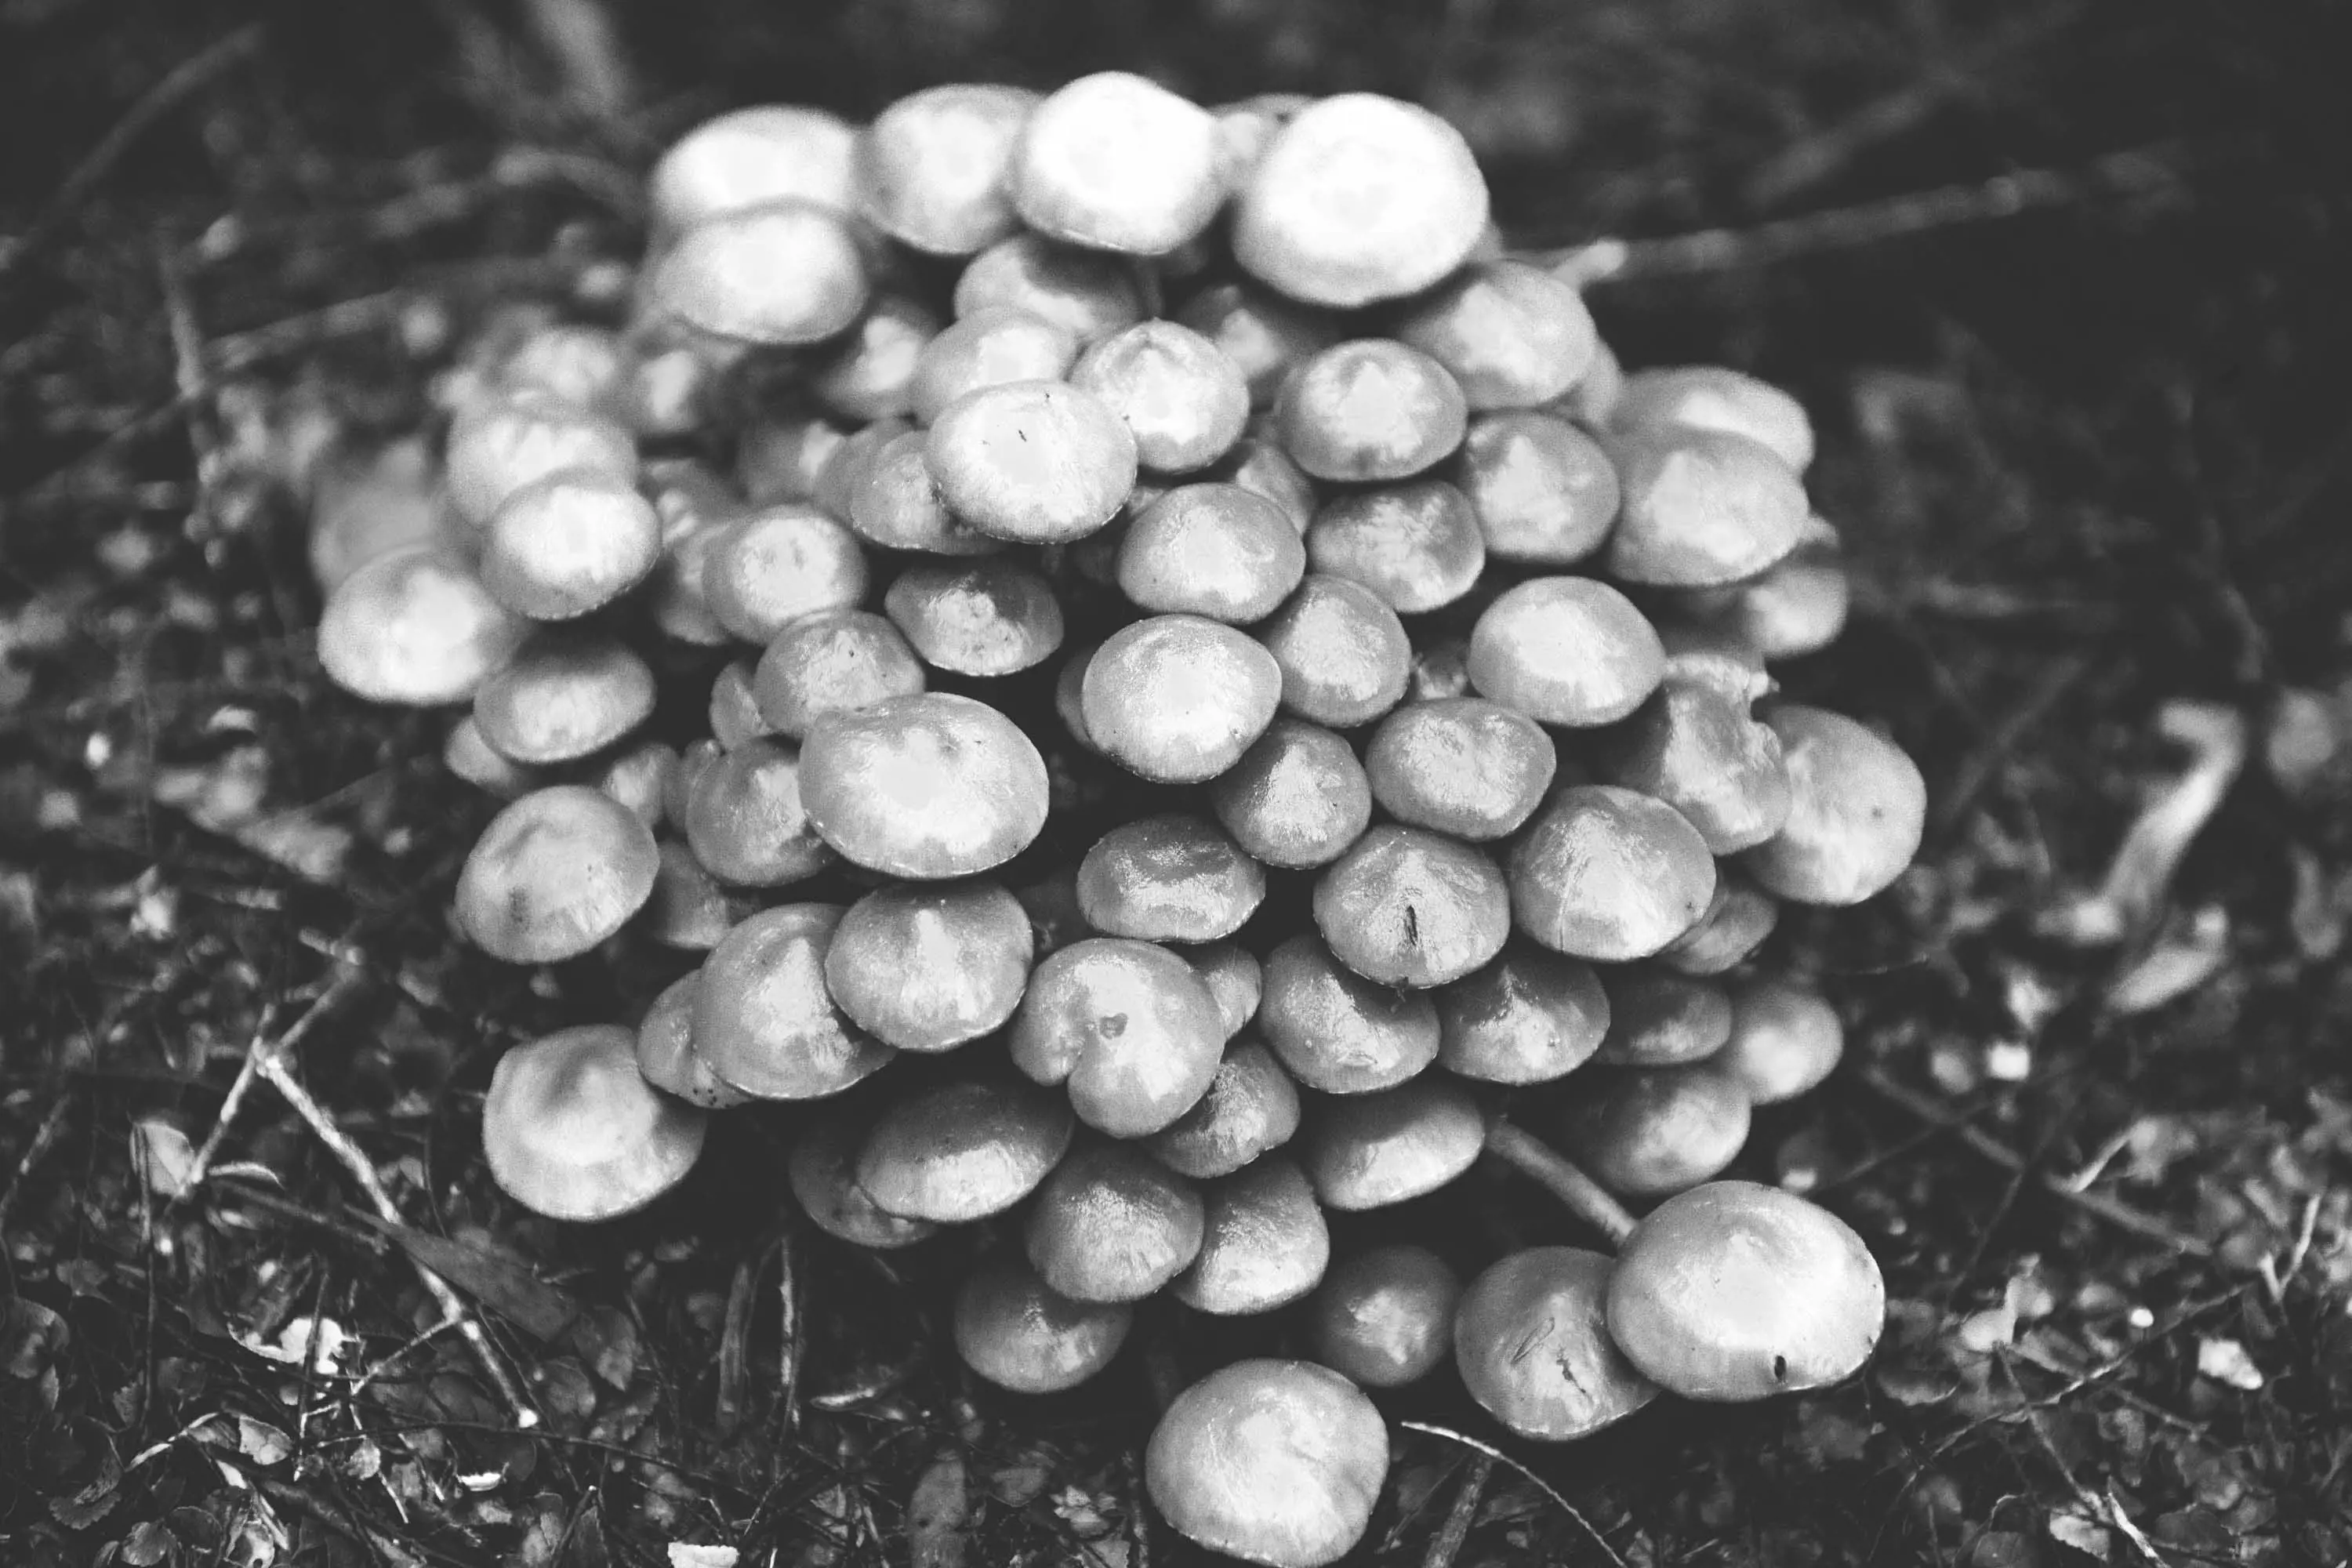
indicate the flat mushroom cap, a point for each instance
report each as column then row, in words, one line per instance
column 1384, row 1318
column 932, row 169
column 1857, row 810
column 1337, row 1031
column 1714, row 397
column 766, row 569
column 1785, row 1039
column 1566, row 650
column 1130, row 1026
column 1015, row 1331
column 1609, row 874
column 365, row 504
column 891, row 497
column 965, row 1150
column 1735, row 1291
column 1697, row 747
column 1116, row 162
column 928, row 966
column 763, row 1018
column 926, row 786
column 1263, row 1244
column 1169, row 877
column 414, row 628
column 1408, row 907
column 1460, row 765
column 554, row 874
column 564, row 695
column 1250, row 1107
column 1036, row 462
column 750, row 157
column 1651, row 1131
column 1799, row 605
column 1532, row 1344
column 1530, row 1017
column 498, row 447
column 689, row 909
column 1368, row 1151
column 1702, row 509
column 666, row 1054
column 775, row 276
column 573, row 1131
column 1112, row 1224
column 1274, row 1462
column 466, row 754
column 1178, row 698
column 1297, row 798
column 822, row 1171
column 1660, row 1018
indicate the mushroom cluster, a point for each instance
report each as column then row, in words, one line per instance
column 1182, row 630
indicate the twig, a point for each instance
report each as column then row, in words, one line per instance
column 1446, row 1544
column 795, row 1346
column 45, row 1138
column 2099, row 1507
column 1970, row 777
column 1545, row 1165
column 727, row 1413
column 1496, row 1456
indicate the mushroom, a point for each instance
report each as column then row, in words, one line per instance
column 1178, row 698
column 1263, row 333
column 1530, row 1017
column 1036, row 462
column 750, row 157
column 1087, row 293
column 1543, row 491
column 689, row 908
column 1130, row 1026
column 566, row 694
column 1369, row 409
column 763, row 1018
column 1609, row 874
column 1735, row 1291
column 468, row 756
column 554, row 874
column 893, row 499
column 1017, row 1332
column 568, row 543
column 1368, row 1151
column 369, row 504
column 1660, row 1018
column 1250, row 1107
column 1235, row 980
column 1264, row 1243
column 1532, row 1344
column 1112, row 1224
column 1384, row 1318
column 1565, row 651
column 502, row 444
column 933, row 170
column 1264, row 469
column 963, row 1151
column 638, row 777
column 1592, row 400
column 414, row 628
column 835, row 662
column 1737, row 919
column 929, row 966
column 1460, row 765
column 989, row 347
column 1697, row 747
column 767, row 568
column 747, row 817
column 1702, row 509
column 1116, row 162
column 1181, row 398
column 986, row 618
column 573, row 1131
column 734, row 709
column 1343, row 654
column 1170, row 878
column 778, row 275
column 1785, row 1039
column 1714, row 397
column 1857, row 811
column 1647, row 1131
column 1212, row 550
column 928, row 786
column 871, row 376
column 665, row 1053
column 1274, row 1462
column 1337, row 1031
column 1408, row 907
column 1297, row 798
column 1712, row 655
column 822, row 1171
column 1415, row 544
column 1512, row 335
column 1797, row 606
column 780, row 459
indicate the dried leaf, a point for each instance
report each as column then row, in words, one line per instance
column 937, row 1512
column 2082, row 1533
column 263, row 1444
column 164, row 1156
column 147, row 1545
column 499, row 1280
column 94, row 1502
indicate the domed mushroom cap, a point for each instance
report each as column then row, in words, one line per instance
column 1231, row 974
column 689, row 908
column 1384, row 1318
column 1178, row 698
column 1785, row 1039
column 1212, row 550
column 1115, row 161
column 751, row 157
column 1019, row 1333
column 1343, row 654
column 1087, row 293
column 638, row 777
column 927, row 966
column 893, row 499
column 1037, row 462
column 991, row 617
column 1529, row 1017
column 1368, row 1151
column 564, row 546
column 665, row 1053
column 1112, row 1224
column 1262, row 334
column 1543, row 490
column 767, row 568
column 1647, row 1131
column 822, row 1173
column 1857, row 810
column 1737, row 919
column 1129, row 1025
column 1369, row 409
column 1531, row 1341
column 499, row 446
column 1337, row 1031
column 1408, row 907
column 1659, row 1018
column 989, row 347
column 1566, row 650
column 734, row 709
column 1798, row 607
column 1512, row 335
column 414, row 628
column 572, row 1132
column 1264, row 469
column 1714, row 397
column 1606, row 873
column 1297, row 797
column 841, row 474
column 1276, row 1462
column 366, row 504
column 1169, row 877
column 1460, row 766
column 872, row 374
column 554, row 874
column 928, row 786
column 468, row 756
column 1697, row 747
column 1592, row 400
column 1416, row 545
column 1701, row 509
column 1734, row 1290
column 965, row 1150
column 1250, row 1106
column 1360, row 198
column 747, row 817
column 763, row 1018
column 1264, row 1243
column 933, row 170
column 835, row 662
column 564, row 695
column 773, row 276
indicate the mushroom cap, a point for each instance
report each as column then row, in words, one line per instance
column 1261, row 332
column 554, row 874
column 1368, row 1151
column 822, row 1171
column 665, row 1053
column 1797, row 606
column 564, row 695
column 747, row 817
column 1415, row 544
column 835, row 662
column 1543, row 490
column 689, row 908
column 734, row 709
column 414, row 628
column 841, row 472
column 1344, row 656
column 1649, row 1130
column 1857, row 810
column 1264, row 469
column 1274, row 1462
column 1512, row 335
column 995, row 615
column 1716, row 397
column 763, row 1018
column 464, row 754
column 1735, row 1291
column 1609, row 874
column 1037, row 462
column 1408, row 907
column 872, row 374
column 1384, row 1318
column 933, row 171
column 1337, row 1031
column 1737, row 919
column 1115, row 161
column 1087, row 293
column 573, row 1131
column 1708, row 653
column 638, row 777
column 1369, row 409
column 1235, row 980
column 1297, row 798
column 1360, row 198
column 1178, row 698
column 963, row 1151
column 989, row 347
column 1170, row 878
column 1531, row 1341
column 680, row 606
column 928, row 786
column 767, row 568
column 895, row 500
column 1130, row 1026
column 1112, row 1224
column 1530, row 1017
column 1659, row 1018
column 678, row 790
column 1460, row 765
column 1566, row 650
column 1250, row 1106
column 778, row 275
column 1182, row 399
column 750, row 157
column 1264, row 1243
column 1702, row 508
column 1697, row 747
column 1592, row 399
column 1785, row 1039
column 568, row 543
column 363, row 505
column 1016, row 1331
column 502, row 444
column 1214, row 550
column 928, row 966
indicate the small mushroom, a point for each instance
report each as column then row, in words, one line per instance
column 1019, row 1333
column 841, row 479
column 499, row 446
column 1565, row 651
column 1609, row 874
column 638, row 777
column 1369, row 409
column 933, row 170
column 1337, row 1031
column 1785, row 1039
column 986, row 618
column 989, row 347
column 780, row 459
column 1384, row 1318
column 1235, row 980
column 1698, row 749
column 1115, row 161
column 893, row 499
column 1343, row 654
column 1530, row 1017
column 1714, row 397
column 665, row 1053
column 366, row 504
column 1513, row 335
column 1408, row 907
column 1532, row 1344
column 1368, row 1151
column 689, row 909
column 1184, row 402
column 1264, row 1243
column 963, row 1151
column 763, row 1018
column 1857, row 811
column 1460, row 766
column 1544, row 491
column 1130, row 1026
column 1036, row 462
column 929, row 966
column 822, row 1171
column 1797, row 606
column 1702, row 509
column 1250, row 1107
column 835, row 662
column 1169, row 877
column 1297, row 798
column 1264, row 469
column 414, row 628
column 1178, row 698
column 1649, row 1130
column 468, row 756
column 734, row 710
column 554, row 874
column 1262, row 332
column 872, row 374
column 1660, row 1018
column 1212, row 550
column 747, row 819
column 767, row 568
column 565, row 695
column 573, row 1131
column 778, row 275
column 568, row 543
column 1088, row 293
column 928, row 786
column 1112, row 1224
column 1738, row 921
column 750, row 157
column 1414, row 543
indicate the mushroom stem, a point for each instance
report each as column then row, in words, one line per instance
column 1557, row 1174
column 1446, row 1544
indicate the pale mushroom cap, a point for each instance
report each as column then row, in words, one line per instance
column 751, row 157
column 1235, row 980
column 464, row 754
column 1417, row 545
column 933, row 170
column 585, row 365
column 564, row 695
column 1711, row 654
column 989, row 347
column 1384, row 1318
column 1591, row 400
column 927, row 787
column 1214, row 550
column 1785, row 1039
column 554, row 874
column 1130, row 1026
column 1297, row 798
column 1544, row 491
column 1367, row 1150
column 639, row 778
column 1360, row 198
column 416, row 628
column 1274, row 1462
column 763, row 1018
column 747, row 820
column 665, row 1053
column 1264, row 1243
column 1702, row 508
column 1250, row 1106
column 1113, row 161
column 1019, row 1333
column 734, row 709
column 1087, row 293
column 965, row 1150
column 1714, row 397
column 1369, row 409
column 1738, row 921
column 872, row 374
column 1798, row 607
column 1344, row 655
column 995, row 615
column 1530, row 1017
column 1735, row 1291
column 689, row 908
column 1512, row 335
column 1037, row 462
column 1645, row 1131
column 769, row 567
column 1609, row 874
column 822, row 1171
column 1264, row 468
column 1857, row 810
column 1263, row 333
column 1660, row 1018
column 845, row 474
column 775, row 276
column 1408, row 907
column 1112, row 1224
column 1460, row 766
column 568, row 543
column 1169, row 877
column 1531, row 1342
column 835, row 662
column 1697, row 748
column 927, row 966
column 1566, row 650
column 1178, row 698
column 1337, row 1031
column 498, row 447
column 367, row 505
column 894, row 499
column 573, row 1131
column 1183, row 400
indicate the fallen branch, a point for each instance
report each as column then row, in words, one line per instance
column 1544, row 1165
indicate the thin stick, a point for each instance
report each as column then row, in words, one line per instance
column 1496, row 1455
column 1553, row 1171
column 1446, row 1544
column 45, row 1138
column 794, row 1347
